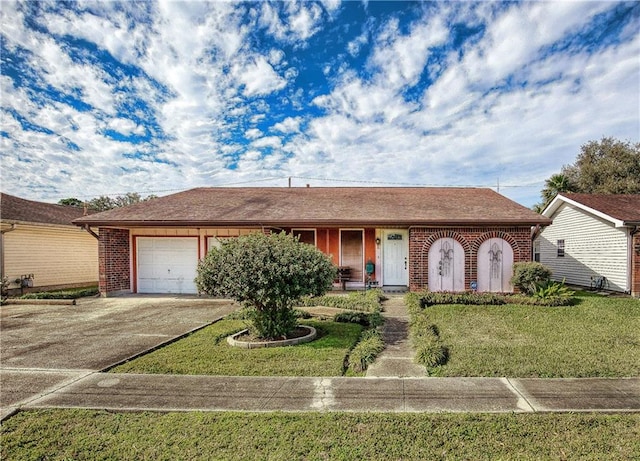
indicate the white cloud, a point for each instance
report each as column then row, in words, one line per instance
column 125, row 126
column 288, row 125
column 253, row 133
column 258, row 77
column 268, row 141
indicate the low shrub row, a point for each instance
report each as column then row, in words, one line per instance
column 429, row 298
column 63, row 294
column 366, row 319
column 548, row 293
column 366, row 351
column 364, row 301
column 425, row 336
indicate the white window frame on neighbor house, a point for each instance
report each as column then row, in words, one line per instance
column 561, row 248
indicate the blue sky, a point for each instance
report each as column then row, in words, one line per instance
column 104, row 98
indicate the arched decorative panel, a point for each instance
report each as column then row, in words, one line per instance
column 446, row 265
column 495, row 266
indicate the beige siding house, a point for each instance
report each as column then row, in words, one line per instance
column 593, row 241
column 40, row 248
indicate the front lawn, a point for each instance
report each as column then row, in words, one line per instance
column 597, row 337
column 206, row 352
column 100, row 435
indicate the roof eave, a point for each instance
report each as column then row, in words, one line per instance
column 312, row 223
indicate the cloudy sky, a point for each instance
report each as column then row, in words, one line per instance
column 104, row 98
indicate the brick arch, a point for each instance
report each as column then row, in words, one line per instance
column 446, row 234
column 424, row 251
column 497, row 234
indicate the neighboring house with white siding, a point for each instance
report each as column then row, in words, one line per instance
column 41, row 249
column 594, row 241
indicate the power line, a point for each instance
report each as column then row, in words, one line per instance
column 312, row 178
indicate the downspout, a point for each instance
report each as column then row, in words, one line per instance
column 13, row 227
column 88, row 229
column 632, row 232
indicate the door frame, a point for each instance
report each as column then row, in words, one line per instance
column 405, row 239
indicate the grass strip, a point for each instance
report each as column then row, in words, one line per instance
column 98, row 435
column 72, row 293
column 206, row 352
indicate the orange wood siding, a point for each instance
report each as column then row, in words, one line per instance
column 370, row 246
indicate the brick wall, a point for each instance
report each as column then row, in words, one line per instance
column 635, row 265
column 114, row 261
column 420, row 240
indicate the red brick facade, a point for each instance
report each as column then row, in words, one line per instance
column 635, row 265
column 114, row 261
column 421, row 238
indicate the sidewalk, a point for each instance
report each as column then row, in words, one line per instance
column 220, row 393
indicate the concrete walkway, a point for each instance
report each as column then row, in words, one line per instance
column 397, row 358
column 225, row 393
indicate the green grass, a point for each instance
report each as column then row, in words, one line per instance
column 71, row 293
column 100, row 435
column 597, row 337
column 206, row 352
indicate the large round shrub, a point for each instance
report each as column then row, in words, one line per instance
column 528, row 275
column 268, row 273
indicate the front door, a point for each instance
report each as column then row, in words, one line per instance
column 395, row 250
column 446, row 265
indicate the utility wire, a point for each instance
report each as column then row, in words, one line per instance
column 311, row 178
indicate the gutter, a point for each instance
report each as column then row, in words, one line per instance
column 88, row 229
column 314, row 223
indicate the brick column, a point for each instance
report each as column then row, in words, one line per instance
column 114, row 261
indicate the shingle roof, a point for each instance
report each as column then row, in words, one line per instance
column 14, row 209
column 624, row 207
column 321, row 206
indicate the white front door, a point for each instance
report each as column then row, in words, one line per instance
column 167, row 264
column 446, row 265
column 395, row 251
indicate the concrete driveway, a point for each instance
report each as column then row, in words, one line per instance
column 44, row 346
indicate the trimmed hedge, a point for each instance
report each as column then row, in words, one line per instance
column 363, row 301
column 366, row 351
column 550, row 294
column 425, row 336
column 528, row 275
column 365, row 319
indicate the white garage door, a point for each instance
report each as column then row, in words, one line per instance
column 167, row 265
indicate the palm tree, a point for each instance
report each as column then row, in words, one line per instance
column 553, row 186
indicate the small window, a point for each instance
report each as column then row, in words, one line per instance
column 536, row 251
column 305, row 236
column 560, row 248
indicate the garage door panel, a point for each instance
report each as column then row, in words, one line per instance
column 167, row 265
